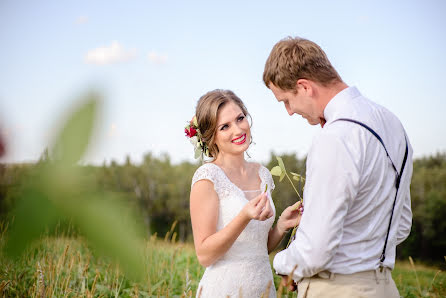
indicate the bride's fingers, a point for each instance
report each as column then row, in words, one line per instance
column 270, row 214
column 257, row 199
column 261, row 202
column 257, row 207
column 265, row 211
column 270, row 210
column 260, row 207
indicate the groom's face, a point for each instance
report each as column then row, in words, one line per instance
column 297, row 102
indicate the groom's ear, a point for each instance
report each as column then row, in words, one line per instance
column 304, row 86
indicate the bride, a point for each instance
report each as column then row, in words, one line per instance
column 231, row 208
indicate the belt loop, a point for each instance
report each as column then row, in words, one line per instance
column 332, row 276
column 377, row 275
column 387, row 273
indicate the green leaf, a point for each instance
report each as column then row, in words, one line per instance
column 33, row 214
column 111, row 228
column 281, row 164
column 75, row 135
column 282, row 176
column 276, row 171
column 59, row 190
column 296, row 176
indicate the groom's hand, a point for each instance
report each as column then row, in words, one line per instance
column 289, row 283
column 289, row 218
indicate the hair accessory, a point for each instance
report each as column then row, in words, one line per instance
column 195, row 138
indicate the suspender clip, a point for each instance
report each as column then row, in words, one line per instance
column 382, row 258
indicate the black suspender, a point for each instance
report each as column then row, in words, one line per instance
column 397, row 181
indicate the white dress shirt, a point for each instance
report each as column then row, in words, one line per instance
column 349, row 192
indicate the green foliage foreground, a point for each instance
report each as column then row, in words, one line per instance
column 56, row 190
column 66, row 267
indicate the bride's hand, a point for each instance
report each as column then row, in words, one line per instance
column 289, row 218
column 258, row 208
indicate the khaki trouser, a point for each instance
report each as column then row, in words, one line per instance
column 374, row 283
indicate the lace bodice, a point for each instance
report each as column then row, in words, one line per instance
column 245, row 267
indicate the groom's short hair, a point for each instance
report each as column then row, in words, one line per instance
column 295, row 58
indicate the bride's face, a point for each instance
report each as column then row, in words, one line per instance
column 233, row 133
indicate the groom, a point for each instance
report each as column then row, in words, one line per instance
column 359, row 167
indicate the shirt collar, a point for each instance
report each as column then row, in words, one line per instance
column 339, row 103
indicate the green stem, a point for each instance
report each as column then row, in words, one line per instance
column 293, row 186
column 291, row 236
column 295, row 227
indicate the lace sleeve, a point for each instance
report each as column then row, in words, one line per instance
column 205, row 172
column 271, row 180
column 268, row 178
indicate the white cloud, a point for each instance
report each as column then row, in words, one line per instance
column 108, row 55
column 157, row 58
column 82, row 20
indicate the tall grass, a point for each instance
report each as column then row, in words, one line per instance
column 64, row 266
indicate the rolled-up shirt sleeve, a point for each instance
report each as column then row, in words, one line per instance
column 331, row 183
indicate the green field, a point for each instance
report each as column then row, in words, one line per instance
column 66, row 267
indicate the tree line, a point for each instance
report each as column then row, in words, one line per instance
column 159, row 189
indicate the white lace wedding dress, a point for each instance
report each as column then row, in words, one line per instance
column 244, row 271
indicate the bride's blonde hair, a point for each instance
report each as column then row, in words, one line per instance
column 207, row 111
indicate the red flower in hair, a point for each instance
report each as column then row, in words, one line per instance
column 190, row 132
column 193, row 133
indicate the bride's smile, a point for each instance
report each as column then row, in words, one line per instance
column 241, row 140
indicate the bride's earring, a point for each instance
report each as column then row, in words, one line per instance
column 250, row 143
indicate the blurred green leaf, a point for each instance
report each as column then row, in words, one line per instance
column 32, row 215
column 110, row 227
column 59, row 191
column 75, row 135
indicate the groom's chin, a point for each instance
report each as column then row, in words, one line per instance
column 313, row 122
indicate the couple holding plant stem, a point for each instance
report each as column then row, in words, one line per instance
column 357, row 199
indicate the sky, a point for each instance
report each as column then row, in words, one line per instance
column 152, row 60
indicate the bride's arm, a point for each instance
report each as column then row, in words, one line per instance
column 274, row 237
column 204, row 204
column 289, row 218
